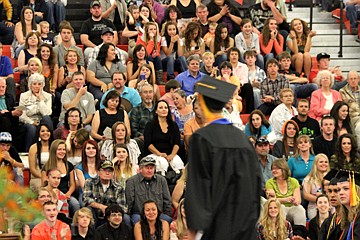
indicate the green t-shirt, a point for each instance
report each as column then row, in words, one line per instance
column 292, row 185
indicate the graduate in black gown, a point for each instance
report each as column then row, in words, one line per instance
column 222, row 199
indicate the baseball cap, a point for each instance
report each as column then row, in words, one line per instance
column 106, row 164
column 5, row 137
column 147, row 161
column 261, row 140
column 95, row 3
column 107, row 30
column 322, row 55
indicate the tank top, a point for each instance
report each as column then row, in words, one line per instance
column 136, row 66
column 28, row 55
column 107, row 120
column 187, row 11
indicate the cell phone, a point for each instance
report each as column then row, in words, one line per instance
column 142, row 77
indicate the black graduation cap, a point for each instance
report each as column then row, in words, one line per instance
column 216, row 92
column 343, row 175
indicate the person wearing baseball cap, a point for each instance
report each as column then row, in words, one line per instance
column 262, row 148
column 222, row 169
column 91, row 29
column 10, row 157
column 101, row 192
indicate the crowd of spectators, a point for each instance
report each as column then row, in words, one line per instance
column 109, row 150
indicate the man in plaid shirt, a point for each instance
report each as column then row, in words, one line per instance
column 271, row 86
column 102, row 191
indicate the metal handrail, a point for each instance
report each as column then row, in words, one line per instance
column 341, row 30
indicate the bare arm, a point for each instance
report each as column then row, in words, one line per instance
column 127, row 123
column 84, row 38
column 95, row 126
column 177, row 193
column 32, row 161
column 106, row 13
column 18, row 33
column 92, row 79
column 72, row 184
column 80, row 177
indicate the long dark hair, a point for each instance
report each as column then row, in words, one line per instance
column 286, row 146
column 219, row 42
column 168, row 37
column 266, row 31
column 264, row 122
column 145, row 228
column 167, row 13
column 38, row 143
column 22, row 20
column 52, row 58
column 84, row 157
column 188, row 34
column 334, row 112
column 339, row 153
column 155, row 119
column 103, row 52
column 113, row 94
column 137, row 48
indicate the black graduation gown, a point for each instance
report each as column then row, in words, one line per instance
column 224, row 182
column 355, row 234
column 329, row 229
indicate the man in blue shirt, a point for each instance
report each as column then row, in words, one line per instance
column 262, row 149
column 191, row 76
column 7, row 73
column 118, row 80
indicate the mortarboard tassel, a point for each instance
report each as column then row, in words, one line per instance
column 354, row 198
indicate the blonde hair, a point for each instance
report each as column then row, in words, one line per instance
column 38, row 62
column 208, row 54
column 44, row 23
column 347, row 216
column 321, row 74
column 119, row 175
column 86, row 211
column 280, row 163
column 267, row 223
column 213, row 24
column 181, row 227
column 302, row 137
column 285, row 90
column 146, row 34
column 315, row 176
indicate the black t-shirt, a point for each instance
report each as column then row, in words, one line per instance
column 309, row 127
column 94, row 29
column 321, row 145
column 65, row 180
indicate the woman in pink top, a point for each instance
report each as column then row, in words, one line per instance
column 323, row 99
column 271, row 41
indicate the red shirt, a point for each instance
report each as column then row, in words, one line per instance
column 42, row 231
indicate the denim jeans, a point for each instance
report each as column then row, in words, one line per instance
column 220, row 59
column 31, row 131
column 267, row 57
column 56, row 12
column 169, row 64
column 6, row 34
column 352, row 14
column 157, row 63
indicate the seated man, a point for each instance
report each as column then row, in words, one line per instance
column 101, row 192
column 148, row 185
column 271, row 86
column 107, row 35
column 78, row 97
column 188, row 78
column 51, row 227
column 307, row 125
column 350, row 94
column 114, row 228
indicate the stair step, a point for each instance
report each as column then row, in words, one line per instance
column 333, row 50
column 322, row 38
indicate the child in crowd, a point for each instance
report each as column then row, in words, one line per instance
column 256, row 75
column 210, row 35
column 208, row 67
column 46, row 36
column 53, row 182
column 298, row 83
column 170, row 87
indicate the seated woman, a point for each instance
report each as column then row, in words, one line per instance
column 162, row 139
column 257, row 125
column 301, row 163
column 140, row 57
column 272, row 222
column 312, row 184
column 182, row 111
column 287, row 190
column 105, row 118
column 120, row 135
column 151, row 39
column 283, row 112
column 34, row 65
column 179, row 191
column 193, row 42
column 50, row 69
column 39, row 154
column 74, row 145
column 340, row 112
column 72, row 59
column 72, row 123
column 146, row 75
column 151, row 226
column 220, row 45
column 83, row 225
column 271, row 41
column 322, row 213
column 179, row 226
column 90, row 160
column 37, row 108
column 123, row 168
column 99, row 72
column 346, row 154
column 285, row 148
column 58, row 160
column 299, row 42
column 323, row 99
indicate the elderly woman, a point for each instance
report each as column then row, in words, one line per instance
column 36, row 106
column 283, row 112
column 100, row 71
column 323, row 99
column 287, row 190
column 105, row 118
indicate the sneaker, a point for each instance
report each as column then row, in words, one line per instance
column 354, row 31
